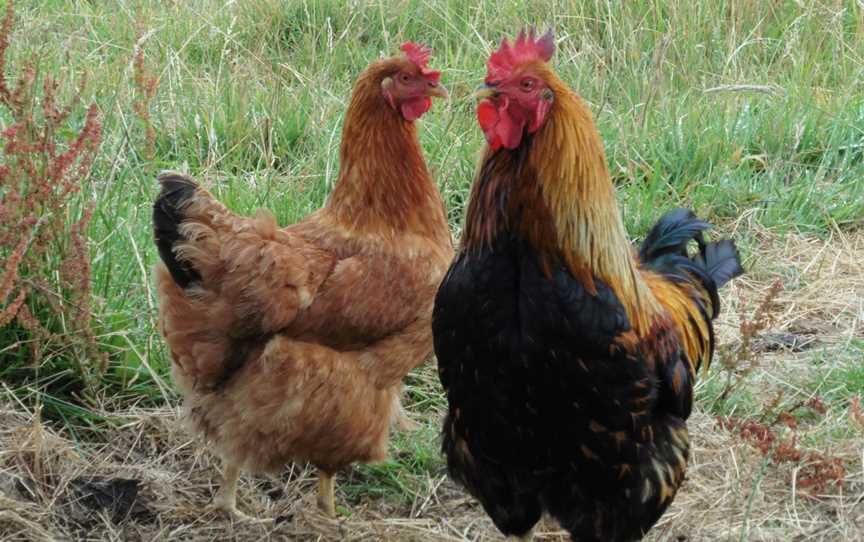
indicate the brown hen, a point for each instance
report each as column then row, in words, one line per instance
column 290, row 344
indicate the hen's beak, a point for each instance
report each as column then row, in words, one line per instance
column 437, row 90
column 485, row 91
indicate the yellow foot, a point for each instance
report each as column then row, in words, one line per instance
column 226, row 499
column 326, row 494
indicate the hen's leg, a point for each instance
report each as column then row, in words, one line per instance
column 226, row 498
column 326, row 495
column 401, row 420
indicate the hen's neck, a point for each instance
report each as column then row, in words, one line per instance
column 384, row 186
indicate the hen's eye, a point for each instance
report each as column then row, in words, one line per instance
column 527, row 84
column 404, row 77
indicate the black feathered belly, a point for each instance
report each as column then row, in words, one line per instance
column 546, row 410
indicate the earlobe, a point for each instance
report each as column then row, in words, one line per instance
column 387, row 90
column 543, row 106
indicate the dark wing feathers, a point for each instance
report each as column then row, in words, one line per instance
column 554, row 402
column 551, row 403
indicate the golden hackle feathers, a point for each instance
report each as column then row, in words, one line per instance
column 581, row 199
column 590, row 229
column 690, row 326
column 563, row 202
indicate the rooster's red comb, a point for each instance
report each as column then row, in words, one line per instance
column 419, row 54
column 526, row 48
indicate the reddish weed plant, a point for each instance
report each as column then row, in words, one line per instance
column 739, row 362
column 817, row 473
column 44, row 260
column 145, row 85
column 773, row 431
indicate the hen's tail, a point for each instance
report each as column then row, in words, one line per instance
column 177, row 192
column 665, row 252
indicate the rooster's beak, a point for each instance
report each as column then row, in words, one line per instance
column 437, row 90
column 485, row 91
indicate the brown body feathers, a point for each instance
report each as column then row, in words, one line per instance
column 291, row 343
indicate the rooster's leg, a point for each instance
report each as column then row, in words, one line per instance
column 326, row 496
column 226, row 499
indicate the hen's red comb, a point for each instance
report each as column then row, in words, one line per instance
column 527, row 47
column 419, row 54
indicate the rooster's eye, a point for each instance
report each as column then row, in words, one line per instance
column 404, row 77
column 527, row 84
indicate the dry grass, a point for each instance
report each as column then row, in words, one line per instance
column 162, row 481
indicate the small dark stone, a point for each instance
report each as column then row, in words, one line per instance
column 287, row 518
column 793, row 342
column 117, row 495
column 276, row 493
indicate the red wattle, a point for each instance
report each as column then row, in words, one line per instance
column 487, row 117
column 414, row 108
column 501, row 127
column 510, row 129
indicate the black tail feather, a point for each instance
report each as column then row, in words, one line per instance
column 167, row 217
column 671, row 235
column 721, row 261
column 665, row 251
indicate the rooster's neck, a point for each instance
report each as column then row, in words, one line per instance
column 578, row 190
column 555, row 192
column 384, row 186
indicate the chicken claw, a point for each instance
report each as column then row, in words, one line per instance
column 226, row 499
column 231, row 510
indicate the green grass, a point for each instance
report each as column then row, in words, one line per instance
column 251, row 98
column 403, row 477
column 842, row 372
